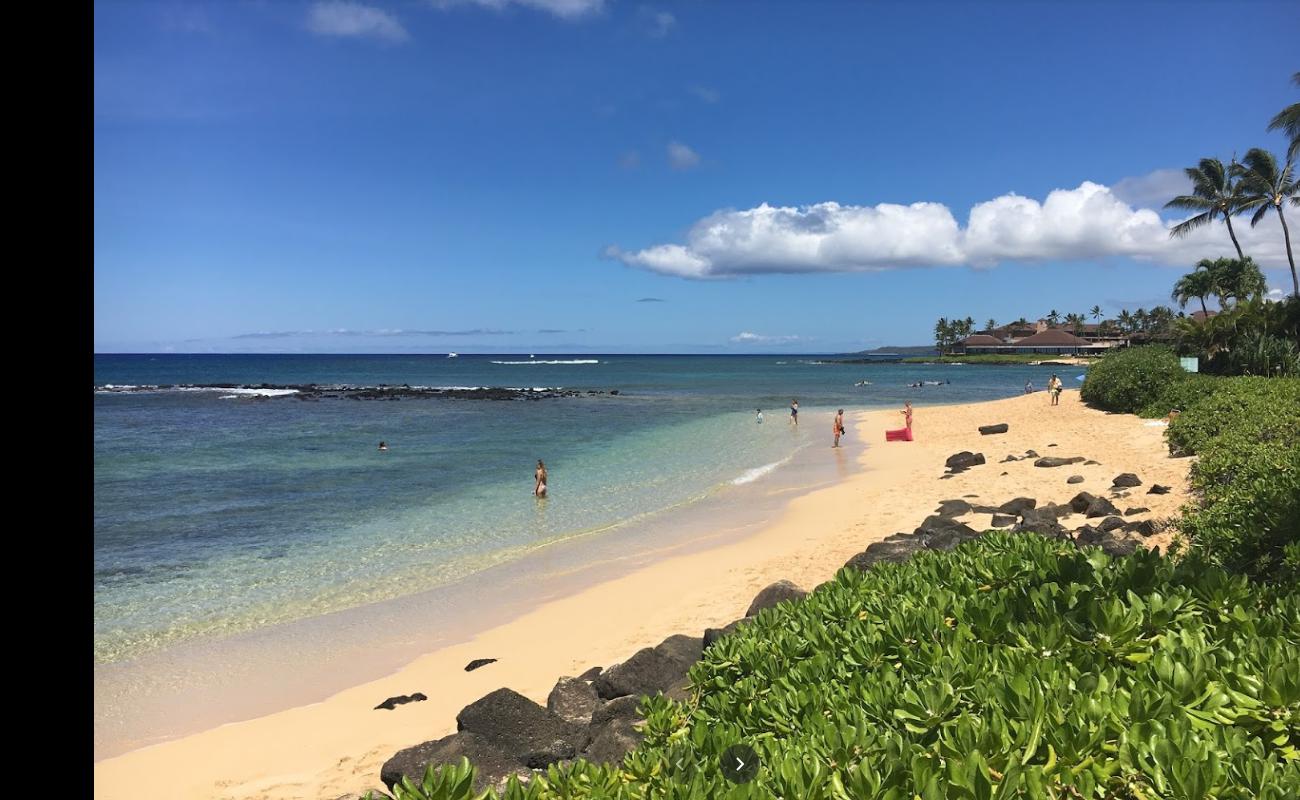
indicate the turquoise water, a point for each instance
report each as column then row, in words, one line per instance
column 217, row 513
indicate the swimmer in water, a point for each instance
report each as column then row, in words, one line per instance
column 539, row 490
column 383, row 445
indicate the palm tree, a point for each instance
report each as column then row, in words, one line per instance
column 992, row 325
column 1265, row 186
column 1216, row 192
column 1288, row 120
column 1140, row 320
column 1240, row 279
column 1075, row 321
column 1199, row 283
column 1125, row 321
column 1095, row 312
column 1053, row 317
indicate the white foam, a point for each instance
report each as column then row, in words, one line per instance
column 751, row 475
column 541, row 361
column 254, row 392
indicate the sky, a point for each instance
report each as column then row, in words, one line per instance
column 564, row 176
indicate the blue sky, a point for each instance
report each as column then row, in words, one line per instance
column 579, row 175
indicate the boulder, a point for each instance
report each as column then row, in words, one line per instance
column 712, row 635
column 1002, row 521
column 1100, row 507
column 1087, row 535
column 590, row 675
column 934, row 525
column 984, row 509
column 887, row 551
column 1017, row 506
column 1074, row 479
column 1009, row 458
column 479, row 662
column 573, row 700
column 523, row 730
column 1053, row 461
column 1145, row 527
column 1110, row 524
column 1158, row 489
column 1041, row 521
column 493, row 766
column 614, row 731
column 985, row 430
column 775, row 594
column 963, row 460
column 1127, row 480
column 953, row 508
column 651, row 669
column 1080, row 502
column 1116, row 543
column 1128, row 512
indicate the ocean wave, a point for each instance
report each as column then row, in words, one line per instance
column 751, row 475
column 248, row 392
column 541, row 361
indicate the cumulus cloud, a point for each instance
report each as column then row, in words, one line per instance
column 1087, row 222
column 682, row 157
column 345, row 19
column 1153, row 189
column 565, row 9
column 1275, row 294
column 749, row 337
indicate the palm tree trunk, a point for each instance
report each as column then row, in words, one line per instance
column 1204, row 310
column 1228, row 219
column 1286, row 233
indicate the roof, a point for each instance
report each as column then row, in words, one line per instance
column 981, row 339
column 1201, row 315
column 1052, row 338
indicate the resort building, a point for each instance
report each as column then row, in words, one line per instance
column 1049, row 341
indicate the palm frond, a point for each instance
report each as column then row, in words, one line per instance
column 1259, row 214
column 1188, row 202
column 1288, row 120
column 1188, row 225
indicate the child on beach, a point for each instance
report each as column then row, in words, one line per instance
column 759, row 418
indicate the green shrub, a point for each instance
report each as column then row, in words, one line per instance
column 1012, row 667
column 1180, row 394
column 1129, row 380
column 1263, row 410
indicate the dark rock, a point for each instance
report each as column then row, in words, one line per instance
column 1128, row 512
column 1074, row 479
column 479, row 662
column 985, row 430
column 1052, row 445
column 1005, row 473
column 1002, row 521
column 573, row 700
column 1031, row 454
column 1009, row 458
column 953, row 508
column 1100, row 507
column 1116, row 543
column 946, row 477
column 523, row 730
column 712, row 635
column 1087, row 535
column 774, row 594
column 1127, row 480
column 1053, row 461
column 984, row 509
column 402, row 699
column 967, row 496
column 493, row 766
column 891, row 552
column 1110, row 524
column 1145, row 527
column 964, row 460
column 1158, row 489
column 590, row 675
column 1017, row 506
column 935, row 524
column 1090, row 462
column 1041, row 521
column 651, row 669
column 1080, row 502
column 614, row 731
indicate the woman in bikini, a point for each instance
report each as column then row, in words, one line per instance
column 539, row 490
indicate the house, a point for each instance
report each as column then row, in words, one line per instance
column 1049, row 341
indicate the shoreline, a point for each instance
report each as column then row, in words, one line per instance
column 336, row 746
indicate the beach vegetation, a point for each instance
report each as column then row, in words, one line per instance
column 1129, row 380
column 1014, row 666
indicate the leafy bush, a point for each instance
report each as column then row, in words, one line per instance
column 1129, row 380
column 1012, row 667
column 1180, row 394
column 1257, row 410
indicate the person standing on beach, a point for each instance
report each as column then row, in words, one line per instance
column 758, row 419
column 539, row 489
column 1054, row 389
column 794, row 412
column 838, row 427
column 1029, row 387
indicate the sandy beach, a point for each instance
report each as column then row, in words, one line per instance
column 336, row 747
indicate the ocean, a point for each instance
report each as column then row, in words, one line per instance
column 221, row 513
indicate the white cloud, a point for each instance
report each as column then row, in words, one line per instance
column 659, row 22
column 354, row 20
column 565, row 9
column 682, row 157
column 705, row 94
column 1153, row 189
column 748, row 337
column 1275, row 294
column 1087, row 222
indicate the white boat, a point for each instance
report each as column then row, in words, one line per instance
column 453, row 355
